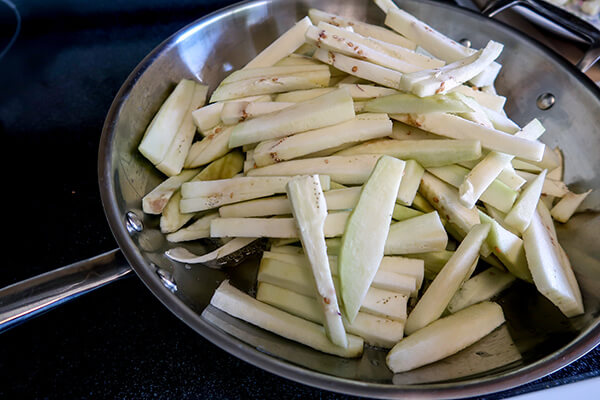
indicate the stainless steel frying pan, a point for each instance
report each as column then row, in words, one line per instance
column 536, row 340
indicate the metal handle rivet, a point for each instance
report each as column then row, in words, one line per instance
column 167, row 279
column 133, row 222
column 545, row 101
column 465, row 42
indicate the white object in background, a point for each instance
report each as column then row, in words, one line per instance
column 582, row 390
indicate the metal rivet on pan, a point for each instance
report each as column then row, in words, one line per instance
column 133, row 222
column 465, row 42
column 167, row 279
column 545, row 101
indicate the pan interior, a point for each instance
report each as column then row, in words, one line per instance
column 209, row 49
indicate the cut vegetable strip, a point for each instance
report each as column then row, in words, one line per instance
column 436, row 43
column 425, row 36
column 406, row 266
column 239, row 111
column 444, row 198
column 487, row 170
column 174, row 159
column 477, row 113
column 283, row 46
column 347, row 170
column 183, row 255
column 402, row 213
column 549, row 187
column 156, row 200
column 549, row 160
column 508, row 247
column 402, row 131
column 490, row 101
column 361, row 255
column 270, row 84
column 416, row 235
column 225, row 167
column 434, row 261
column 310, row 211
column 434, row 301
column 362, row 127
column 197, row 230
column 164, row 126
column 481, row 287
column 459, row 128
column 522, row 212
column 361, row 27
column 408, row 103
column 330, row 37
column 263, row 72
column 325, row 38
column 297, row 96
column 546, row 219
column 428, row 153
column 440, row 80
column 207, row 117
column 509, row 177
column 385, row 5
column 204, row 195
column 297, row 59
column 413, row 172
column 376, row 331
column 363, row 69
column 380, row 302
column 242, row 306
column 431, row 343
column 364, row 92
column 386, row 277
column 548, row 268
column 329, row 109
column 566, row 207
column 497, row 194
column 273, row 227
column 340, row 199
column 214, row 145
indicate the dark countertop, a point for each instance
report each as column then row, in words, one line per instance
column 56, row 85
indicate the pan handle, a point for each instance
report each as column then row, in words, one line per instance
column 560, row 17
column 41, row 293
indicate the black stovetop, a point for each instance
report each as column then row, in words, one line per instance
column 56, row 85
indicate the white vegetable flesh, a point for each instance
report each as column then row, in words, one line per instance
column 283, row 46
column 339, row 199
column 428, row 153
column 365, row 29
column 240, row 305
column 566, row 207
column 459, row 128
column 362, row 127
column 552, row 274
column 310, row 211
column 166, row 123
column 375, row 330
column 205, row 195
column 432, row 343
column 273, row 227
column 487, row 170
column 434, row 301
column 360, row 254
column 347, row 170
column 328, row 109
column 483, row 286
column 381, row 302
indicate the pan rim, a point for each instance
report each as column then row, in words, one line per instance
column 575, row 349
